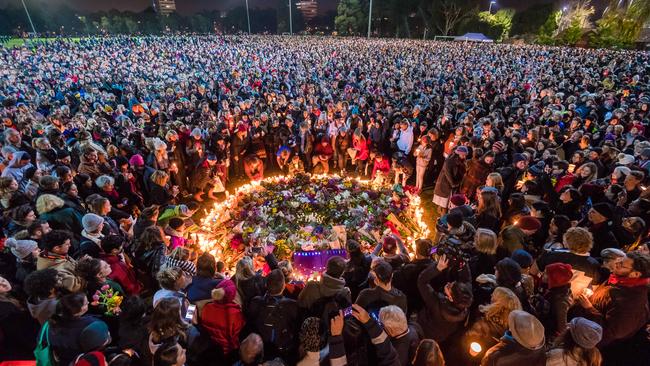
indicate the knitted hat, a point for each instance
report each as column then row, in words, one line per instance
column 94, row 336
column 136, row 160
column 91, row 359
column 526, row 329
column 585, row 333
column 21, row 248
column 558, row 274
column 604, row 209
column 462, row 150
column 523, row 258
column 529, row 223
column 310, row 334
column 91, row 222
column 537, row 169
column 458, row 199
column 389, row 245
column 225, row 291
column 519, row 157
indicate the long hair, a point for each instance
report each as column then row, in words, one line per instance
column 166, row 322
column 584, row 357
column 503, row 302
column 428, row 353
column 244, row 270
column 488, row 203
column 485, row 241
column 497, row 180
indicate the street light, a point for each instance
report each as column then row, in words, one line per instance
column 490, row 8
column 369, row 18
column 564, row 9
column 248, row 18
column 29, row 17
column 290, row 20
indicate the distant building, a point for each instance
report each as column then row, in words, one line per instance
column 308, row 8
column 164, row 7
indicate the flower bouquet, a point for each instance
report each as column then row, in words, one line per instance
column 109, row 299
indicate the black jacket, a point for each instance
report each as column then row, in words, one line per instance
column 439, row 318
column 406, row 279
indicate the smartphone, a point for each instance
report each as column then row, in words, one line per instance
column 189, row 315
column 347, row 312
column 256, row 250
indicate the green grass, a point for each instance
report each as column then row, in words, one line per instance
column 19, row 42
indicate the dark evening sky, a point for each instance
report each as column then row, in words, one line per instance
column 191, row 6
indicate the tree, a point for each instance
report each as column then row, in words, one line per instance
column 576, row 16
column 621, row 24
column 446, row 15
column 499, row 23
column 545, row 34
column 350, row 18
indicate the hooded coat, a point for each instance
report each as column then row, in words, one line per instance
column 328, row 286
column 12, row 171
column 450, row 176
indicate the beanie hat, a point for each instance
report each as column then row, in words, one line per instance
column 91, row 222
column 310, row 334
column 91, row 359
column 537, row 169
column 558, row 274
column 21, row 248
column 462, row 150
column 225, row 291
column 390, row 245
column 604, row 209
column 529, row 223
column 526, row 329
column 585, row 333
column 136, row 160
column 509, row 273
column 519, row 157
column 94, row 336
column 523, row 258
column 458, row 199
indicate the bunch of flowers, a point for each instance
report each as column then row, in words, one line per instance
column 109, row 299
column 304, row 213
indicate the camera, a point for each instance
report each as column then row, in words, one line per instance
column 452, row 248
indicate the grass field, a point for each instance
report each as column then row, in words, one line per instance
column 19, row 42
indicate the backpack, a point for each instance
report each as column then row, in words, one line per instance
column 43, row 352
column 273, row 326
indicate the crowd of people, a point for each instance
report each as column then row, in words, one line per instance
column 538, row 159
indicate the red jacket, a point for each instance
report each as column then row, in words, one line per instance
column 564, row 181
column 123, row 274
column 383, row 166
column 223, row 322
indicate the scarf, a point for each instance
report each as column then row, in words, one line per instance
column 627, row 282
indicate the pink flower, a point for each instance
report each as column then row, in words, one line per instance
column 105, row 287
column 95, row 297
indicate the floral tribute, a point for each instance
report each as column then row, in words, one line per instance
column 308, row 213
column 109, row 299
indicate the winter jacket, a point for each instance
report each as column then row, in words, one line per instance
column 64, row 218
column 42, row 310
column 559, row 300
column 65, row 337
column 223, row 323
column 373, row 299
column 328, row 286
column 386, row 354
column 123, row 274
column 510, row 353
column 423, row 156
column 439, row 318
column 603, row 238
column 477, row 172
column 557, row 357
column 65, row 266
column 201, row 288
column 406, row 279
column 620, row 309
column 406, row 344
column 159, row 195
column 485, row 332
column 450, row 176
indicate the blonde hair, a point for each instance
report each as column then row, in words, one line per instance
column 244, row 269
column 394, row 320
column 497, row 180
column 48, row 202
column 503, row 302
column 485, row 241
column 159, row 177
column 578, row 240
